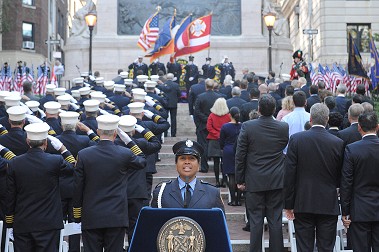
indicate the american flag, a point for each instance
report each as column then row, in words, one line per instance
column 17, row 83
column 7, row 80
column 41, row 81
column 149, row 33
column 315, row 77
column 324, row 75
column 53, row 79
column 337, row 76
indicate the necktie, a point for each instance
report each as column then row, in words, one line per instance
column 187, row 196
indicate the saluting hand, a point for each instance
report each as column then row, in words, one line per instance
column 289, row 214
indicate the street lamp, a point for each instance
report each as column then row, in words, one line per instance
column 269, row 21
column 91, row 18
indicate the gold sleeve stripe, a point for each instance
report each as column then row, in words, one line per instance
column 70, row 159
column 156, row 118
column 148, row 135
column 95, row 138
column 52, row 132
column 158, row 107
column 77, row 212
column 9, row 219
column 4, row 132
column 117, row 111
column 136, row 150
column 9, row 155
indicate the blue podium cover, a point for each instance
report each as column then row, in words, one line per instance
column 150, row 221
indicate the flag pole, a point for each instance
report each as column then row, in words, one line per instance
column 209, row 48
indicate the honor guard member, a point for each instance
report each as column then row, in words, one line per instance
column 105, row 106
column 59, row 91
column 65, row 102
column 49, row 95
column 299, row 67
column 129, row 85
column 99, row 85
column 34, row 107
column 109, row 88
column 12, row 100
column 100, row 194
column 227, row 68
column 34, row 208
column 119, row 97
column 19, row 69
column 139, row 95
column 176, row 69
column 192, row 74
column 75, row 94
column 158, row 125
column 208, row 69
column 187, row 191
column 15, row 138
column 137, row 192
column 52, row 119
column 3, row 94
column 172, row 91
column 91, row 108
column 78, row 83
column 139, row 65
column 84, row 95
column 157, row 66
column 140, row 80
column 155, row 93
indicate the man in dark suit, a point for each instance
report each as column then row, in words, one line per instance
column 360, row 186
column 235, row 101
column 335, row 121
column 259, row 171
column 100, row 195
column 341, row 100
column 303, row 86
column 187, row 191
column 252, row 81
column 157, row 66
column 192, row 74
column 227, row 68
column 307, row 184
column 172, row 91
column 176, row 69
column 202, row 110
column 251, row 105
column 313, row 99
column 194, row 92
column 282, row 86
column 351, row 134
column 34, row 207
column 245, row 95
column 208, row 69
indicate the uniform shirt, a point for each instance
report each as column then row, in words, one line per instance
column 182, row 186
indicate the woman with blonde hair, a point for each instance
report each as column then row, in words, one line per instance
column 287, row 107
column 219, row 116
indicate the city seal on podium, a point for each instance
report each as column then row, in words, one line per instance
column 181, row 234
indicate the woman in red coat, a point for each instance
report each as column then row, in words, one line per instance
column 218, row 117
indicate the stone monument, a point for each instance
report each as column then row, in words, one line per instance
column 238, row 31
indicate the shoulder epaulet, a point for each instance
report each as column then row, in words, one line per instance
column 166, row 181
column 206, row 183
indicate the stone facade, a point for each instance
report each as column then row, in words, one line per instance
column 112, row 51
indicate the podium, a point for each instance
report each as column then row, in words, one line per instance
column 151, row 220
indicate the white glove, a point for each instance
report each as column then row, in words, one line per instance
column 138, row 128
column 192, row 117
column 55, row 142
column 136, row 60
column 42, row 113
column 174, row 79
column 33, row 119
column 107, row 100
column 157, row 91
column 72, row 99
column 74, row 106
column 149, row 101
column 11, row 234
column 92, row 78
column 86, row 85
column 148, row 113
column 190, row 78
column 103, row 112
column 123, row 136
column 28, row 111
column 2, row 147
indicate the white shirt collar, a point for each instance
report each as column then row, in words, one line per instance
column 369, row 134
column 320, row 126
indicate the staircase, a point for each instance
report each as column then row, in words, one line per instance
column 235, row 216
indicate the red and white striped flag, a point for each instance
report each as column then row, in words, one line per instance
column 149, row 33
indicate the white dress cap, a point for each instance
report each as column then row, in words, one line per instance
column 84, row 74
column 109, row 85
column 79, row 80
column 16, row 113
column 91, row 105
column 37, row 131
column 136, row 107
column 75, row 93
column 50, row 88
column 12, row 100
column 154, row 77
column 64, row 99
column 32, row 105
column 128, row 82
column 84, row 90
column 150, row 84
column 119, row 88
column 107, row 122
column 139, row 94
column 127, row 123
column 52, row 107
column 4, row 94
column 99, row 80
column 142, row 78
column 59, row 91
column 124, row 75
column 69, row 117
column 98, row 96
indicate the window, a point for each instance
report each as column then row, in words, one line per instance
column 27, row 35
column 361, row 36
column 28, row 2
